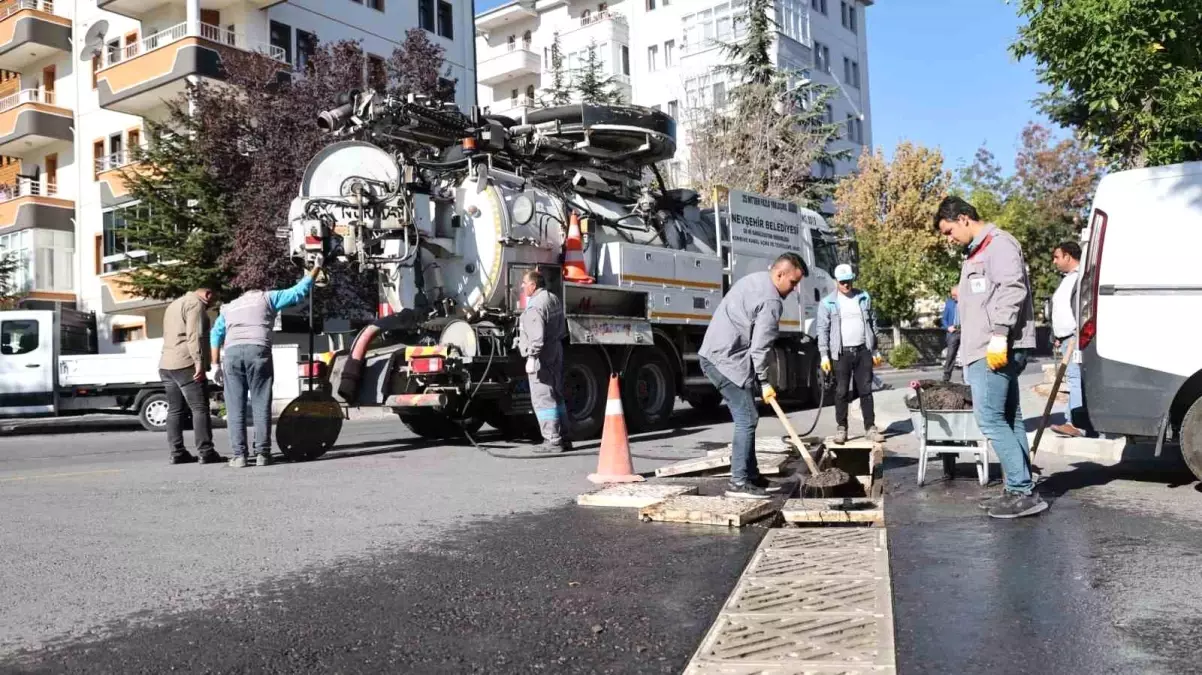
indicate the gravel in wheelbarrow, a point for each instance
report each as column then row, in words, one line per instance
column 937, row 395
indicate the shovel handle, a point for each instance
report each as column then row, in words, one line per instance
column 805, row 454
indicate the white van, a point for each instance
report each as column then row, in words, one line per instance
column 1140, row 315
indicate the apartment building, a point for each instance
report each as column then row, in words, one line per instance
column 666, row 53
column 81, row 78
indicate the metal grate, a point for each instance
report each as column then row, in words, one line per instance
column 830, row 639
column 818, row 594
column 826, row 538
column 848, row 563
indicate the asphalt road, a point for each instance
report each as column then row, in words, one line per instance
column 393, row 555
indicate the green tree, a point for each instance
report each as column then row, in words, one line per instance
column 10, row 264
column 183, row 219
column 889, row 207
column 560, row 91
column 592, row 83
column 1126, row 73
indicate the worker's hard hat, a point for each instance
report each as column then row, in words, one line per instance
column 844, row 273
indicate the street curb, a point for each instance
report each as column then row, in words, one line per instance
column 1106, row 451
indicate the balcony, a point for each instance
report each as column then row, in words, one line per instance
column 31, row 204
column 117, row 298
column 502, row 17
column 30, row 31
column 603, row 27
column 516, row 63
column 514, row 108
column 141, row 76
column 29, row 120
column 111, row 174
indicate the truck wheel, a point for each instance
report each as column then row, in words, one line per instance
column 648, row 390
column 705, row 403
column 153, row 412
column 585, row 387
column 1191, row 438
column 436, row 427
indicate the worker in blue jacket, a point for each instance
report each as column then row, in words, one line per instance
column 847, row 337
column 951, row 327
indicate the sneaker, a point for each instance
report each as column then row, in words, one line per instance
column 186, row 458
column 765, row 483
column 841, row 435
column 745, row 491
column 548, row 449
column 263, row 460
column 211, row 458
column 873, row 434
column 991, row 501
column 238, row 462
column 1014, row 505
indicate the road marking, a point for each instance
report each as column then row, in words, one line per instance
column 810, row 601
column 59, row 475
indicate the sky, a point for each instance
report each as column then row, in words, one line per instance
column 940, row 75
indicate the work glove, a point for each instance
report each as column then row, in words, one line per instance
column 826, row 366
column 877, row 359
column 218, row 375
column 532, row 365
column 996, row 355
column 768, row 393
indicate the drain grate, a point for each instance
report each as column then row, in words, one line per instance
column 718, row 668
column 818, row 594
column 821, row 638
column 848, row 563
column 807, row 538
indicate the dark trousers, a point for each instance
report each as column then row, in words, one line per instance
column 249, row 373
column 187, row 396
column 741, row 402
column 949, row 361
column 854, row 367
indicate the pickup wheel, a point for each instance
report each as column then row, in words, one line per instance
column 153, row 412
column 1191, row 438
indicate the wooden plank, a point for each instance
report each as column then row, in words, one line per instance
column 861, row 511
column 694, row 465
column 770, row 465
column 709, row 510
column 860, row 443
column 634, row 495
column 770, row 445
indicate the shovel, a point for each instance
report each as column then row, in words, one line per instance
column 831, row 478
column 1047, row 409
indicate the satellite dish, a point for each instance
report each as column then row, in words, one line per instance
column 93, row 40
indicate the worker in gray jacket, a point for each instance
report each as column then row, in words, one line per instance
column 847, row 336
column 734, row 356
column 543, row 330
column 997, row 328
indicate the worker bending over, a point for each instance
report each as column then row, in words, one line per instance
column 245, row 328
column 543, row 330
column 997, row 328
column 847, row 335
column 734, row 355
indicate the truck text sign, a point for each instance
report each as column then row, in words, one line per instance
column 762, row 227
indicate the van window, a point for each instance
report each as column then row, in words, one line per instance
column 18, row 337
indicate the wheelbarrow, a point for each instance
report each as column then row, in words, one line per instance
column 948, row 434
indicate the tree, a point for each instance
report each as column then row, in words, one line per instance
column 770, row 132
column 10, row 264
column 182, row 221
column 414, row 68
column 890, row 206
column 1126, row 74
column 592, row 83
column 560, row 90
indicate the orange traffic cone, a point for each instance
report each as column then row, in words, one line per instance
column 573, row 254
column 614, row 465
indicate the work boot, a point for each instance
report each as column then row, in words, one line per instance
column 1015, row 505
column 238, row 462
column 566, row 446
column 841, row 435
column 263, row 459
column 873, row 434
column 765, row 483
column 185, row 458
column 211, row 457
column 745, row 491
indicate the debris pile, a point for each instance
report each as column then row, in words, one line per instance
column 938, row 395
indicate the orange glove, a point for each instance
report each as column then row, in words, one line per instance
column 768, row 393
column 997, row 354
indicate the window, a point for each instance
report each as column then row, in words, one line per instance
column 653, row 58
column 511, row 43
column 830, row 114
column 626, row 60
column 281, row 36
column 446, row 20
column 115, row 145
column 128, row 333
column 650, row 5
column 117, row 254
column 18, row 337
column 709, row 28
column 669, row 53
column 818, row 5
column 719, row 94
column 54, row 260
column 851, row 73
column 673, row 109
column 19, row 247
column 513, row 97
column 306, row 45
column 425, row 14
column 526, row 40
column 847, row 11
column 822, row 57
column 529, row 93
column 377, row 74
column 859, row 131
column 377, row 5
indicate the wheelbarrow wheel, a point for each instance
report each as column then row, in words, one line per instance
column 949, row 465
column 309, row 426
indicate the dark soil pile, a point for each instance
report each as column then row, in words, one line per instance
column 938, row 395
column 828, row 478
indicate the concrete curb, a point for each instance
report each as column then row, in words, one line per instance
column 1101, row 450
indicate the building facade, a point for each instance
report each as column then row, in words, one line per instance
column 666, row 54
column 82, row 76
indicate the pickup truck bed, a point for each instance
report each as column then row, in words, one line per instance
column 107, row 370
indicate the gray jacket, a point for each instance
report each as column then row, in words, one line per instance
column 744, row 326
column 543, row 327
column 830, row 324
column 995, row 295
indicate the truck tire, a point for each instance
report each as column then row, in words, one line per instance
column 436, row 427
column 585, row 386
column 152, row 413
column 648, row 390
column 704, row 403
column 1191, row 439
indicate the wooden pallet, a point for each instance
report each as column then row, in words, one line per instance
column 695, row 465
column 769, row 465
column 855, row 511
column 634, row 495
column 709, row 510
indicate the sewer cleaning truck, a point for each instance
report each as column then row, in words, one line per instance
column 447, row 211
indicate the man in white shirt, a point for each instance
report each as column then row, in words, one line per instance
column 1067, row 258
column 847, row 337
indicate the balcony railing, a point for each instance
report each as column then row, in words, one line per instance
column 21, row 5
column 27, row 187
column 26, row 96
column 116, row 160
column 163, row 38
column 598, row 17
